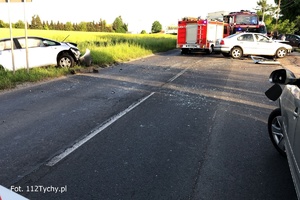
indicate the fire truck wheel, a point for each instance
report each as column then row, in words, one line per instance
column 236, row 52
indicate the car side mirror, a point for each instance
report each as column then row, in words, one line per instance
column 284, row 77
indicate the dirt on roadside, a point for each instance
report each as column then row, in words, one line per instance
column 292, row 62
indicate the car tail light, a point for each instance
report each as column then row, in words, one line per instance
column 222, row 42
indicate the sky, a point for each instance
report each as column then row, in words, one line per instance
column 139, row 15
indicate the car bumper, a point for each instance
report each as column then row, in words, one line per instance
column 86, row 59
column 222, row 49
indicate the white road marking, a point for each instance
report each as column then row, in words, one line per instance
column 176, row 76
column 107, row 123
column 103, row 126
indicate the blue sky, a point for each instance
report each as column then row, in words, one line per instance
column 137, row 14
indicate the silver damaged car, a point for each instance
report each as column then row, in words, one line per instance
column 284, row 121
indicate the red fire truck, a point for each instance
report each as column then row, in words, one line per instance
column 196, row 34
column 244, row 21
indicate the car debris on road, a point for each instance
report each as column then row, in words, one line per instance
column 263, row 60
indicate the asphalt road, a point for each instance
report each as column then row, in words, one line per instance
column 169, row 126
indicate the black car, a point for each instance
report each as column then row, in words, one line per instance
column 292, row 39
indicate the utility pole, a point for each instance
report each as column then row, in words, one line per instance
column 10, row 28
column 277, row 15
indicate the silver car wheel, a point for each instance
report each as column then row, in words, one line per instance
column 65, row 62
column 276, row 131
column 236, row 52
column 281, row 52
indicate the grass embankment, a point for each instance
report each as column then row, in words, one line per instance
column 106, row 49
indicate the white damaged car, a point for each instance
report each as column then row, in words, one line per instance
column 243, row 44
column 41, row 52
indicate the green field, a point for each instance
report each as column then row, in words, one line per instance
column 106, row 49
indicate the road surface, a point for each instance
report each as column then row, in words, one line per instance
column 168, row 126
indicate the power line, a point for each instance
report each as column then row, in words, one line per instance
column 287, row 5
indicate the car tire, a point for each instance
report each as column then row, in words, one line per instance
column 236, row 52
column 275, row 131
column 65, row 60
column 281, row 52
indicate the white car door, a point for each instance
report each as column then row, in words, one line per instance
column 41, row 51
column 264, row 46
column 246, row 41
column 36, row 52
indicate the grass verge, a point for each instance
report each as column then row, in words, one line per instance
column 9, row 80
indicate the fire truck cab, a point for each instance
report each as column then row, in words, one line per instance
column 196, row 34
column 244, row 21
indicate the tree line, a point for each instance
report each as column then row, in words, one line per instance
column 118, row 26
column 101, row 26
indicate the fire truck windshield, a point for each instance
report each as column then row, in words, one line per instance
column 246, row 19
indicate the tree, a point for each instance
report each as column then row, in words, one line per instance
column 266, row 13
column 102, row 25
column 3, row 24
column 51, row 25
column 60, row 26
column 143, row 32
column 263, row 8
column 69, row 26
column 118, row 25
column 91, row 27
column 286, row 26
column 82, row 26
column 156, row 27
column 36, row 22
column 45, row 25
column 297, row 23
column 288, row 20
column 289, row 9
column 20, row 24
column 109, row 28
